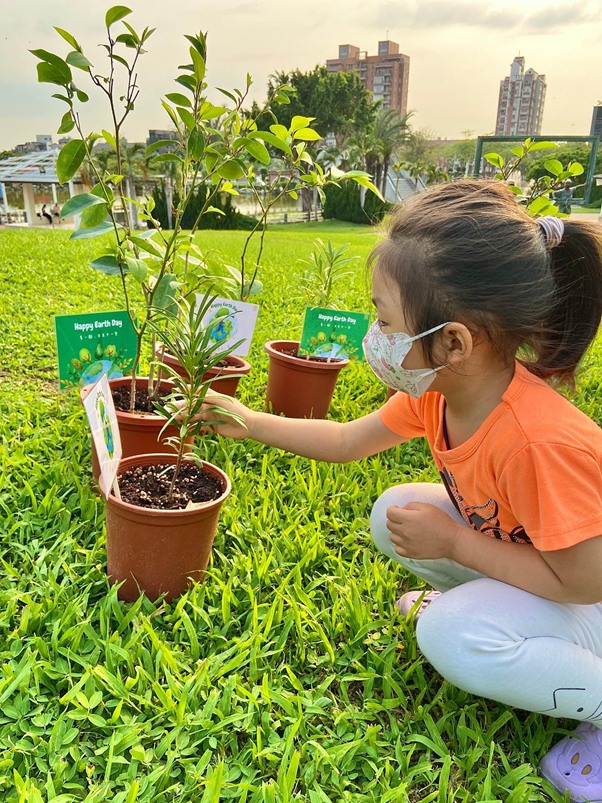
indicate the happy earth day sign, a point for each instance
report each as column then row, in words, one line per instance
column 334, row 334
column 94, row 344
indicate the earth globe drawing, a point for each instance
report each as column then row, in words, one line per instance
column 225, row 327
column 94, row 371
column 105, row 423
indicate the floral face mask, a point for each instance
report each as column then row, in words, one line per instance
column 385, row 354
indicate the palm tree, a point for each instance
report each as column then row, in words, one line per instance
column 391, row 130
column 380, row 144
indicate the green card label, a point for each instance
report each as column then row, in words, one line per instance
column 333, row 334
column 94, row 344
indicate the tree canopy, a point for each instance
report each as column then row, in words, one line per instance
column 338, row 101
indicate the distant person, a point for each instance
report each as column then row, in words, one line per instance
column 56, row 212
column 46, row 214
column 564, row 197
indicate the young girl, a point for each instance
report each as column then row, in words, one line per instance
column 512, row 536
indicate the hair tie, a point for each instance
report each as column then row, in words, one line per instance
column 552, row 229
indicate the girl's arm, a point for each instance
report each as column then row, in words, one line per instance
column 421, row 531
column 565, row 575
column 314, row 438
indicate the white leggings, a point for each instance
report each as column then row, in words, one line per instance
column 497, row 641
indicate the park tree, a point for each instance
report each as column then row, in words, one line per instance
column 338, row 101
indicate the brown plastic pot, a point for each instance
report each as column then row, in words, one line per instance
column 227, row 376
column 298, row 387
column 139, row 432
column 158, row 552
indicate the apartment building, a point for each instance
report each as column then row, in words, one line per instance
column 386, row 75
column 521, row 101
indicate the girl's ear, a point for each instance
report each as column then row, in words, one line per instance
column 457, row 343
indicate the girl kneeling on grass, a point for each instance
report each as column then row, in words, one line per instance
column 512, row 536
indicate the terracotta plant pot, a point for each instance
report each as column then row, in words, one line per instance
column 298, row 387
column 139, row 432
column 229, row 375
column 160, row 551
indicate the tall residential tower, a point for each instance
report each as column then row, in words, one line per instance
column 385, row 75
column 520, row 105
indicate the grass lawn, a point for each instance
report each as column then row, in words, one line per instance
column 286, row 676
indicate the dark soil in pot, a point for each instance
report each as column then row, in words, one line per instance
column 122, row 397
column 148, row 486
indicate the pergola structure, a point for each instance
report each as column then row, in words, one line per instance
column 29, row 169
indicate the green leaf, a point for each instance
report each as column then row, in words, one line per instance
column 306, row 134
column 187, row 117
column 59, row 66
column 198, row 64
column 115, row 14
column 109, row 139
column 107, row 264
column 93, row 231
column 77, row 204
column 70, row 158
column 553, row 166
column 78, row 60
column 541, row 206
column 196, row 143
column 232, row 169
column 138, row 268
column 128, row 40
column 279, row 131
column 216, row 210
column 66, row 125
column 252, row 289
column 518, row 151
column 165, row 293
column 47, row 74
column 495, row 159
column 68, row 38
column 161, row 143
column 137, row 752
column 93, row 216
column 178, row 99
column 542, row 146
column 81, row 95
column 63, row 97
column 575, row 169
column 148, row 245
column 299, row 122
column 210, row 112
column 167, row 157
column 271, row 139
column 257, row 150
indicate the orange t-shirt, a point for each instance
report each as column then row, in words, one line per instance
column 531, row 473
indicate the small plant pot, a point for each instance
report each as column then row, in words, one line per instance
column 299, row 387
column 158, row 552
column 227, row 376
column 139, row 432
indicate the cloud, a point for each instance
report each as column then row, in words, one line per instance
column 556, row 18
column 434, row 14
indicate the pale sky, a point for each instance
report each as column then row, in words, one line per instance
column 459, row 51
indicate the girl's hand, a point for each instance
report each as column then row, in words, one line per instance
column 422, row 532
column 236, row 426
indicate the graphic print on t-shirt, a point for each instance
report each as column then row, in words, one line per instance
column 483, row 517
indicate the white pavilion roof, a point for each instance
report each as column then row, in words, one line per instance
column 31, row 168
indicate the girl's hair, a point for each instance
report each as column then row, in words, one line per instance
column 467, row 251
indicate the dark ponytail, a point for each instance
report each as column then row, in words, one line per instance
column 467, row 251
column 573, row 319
